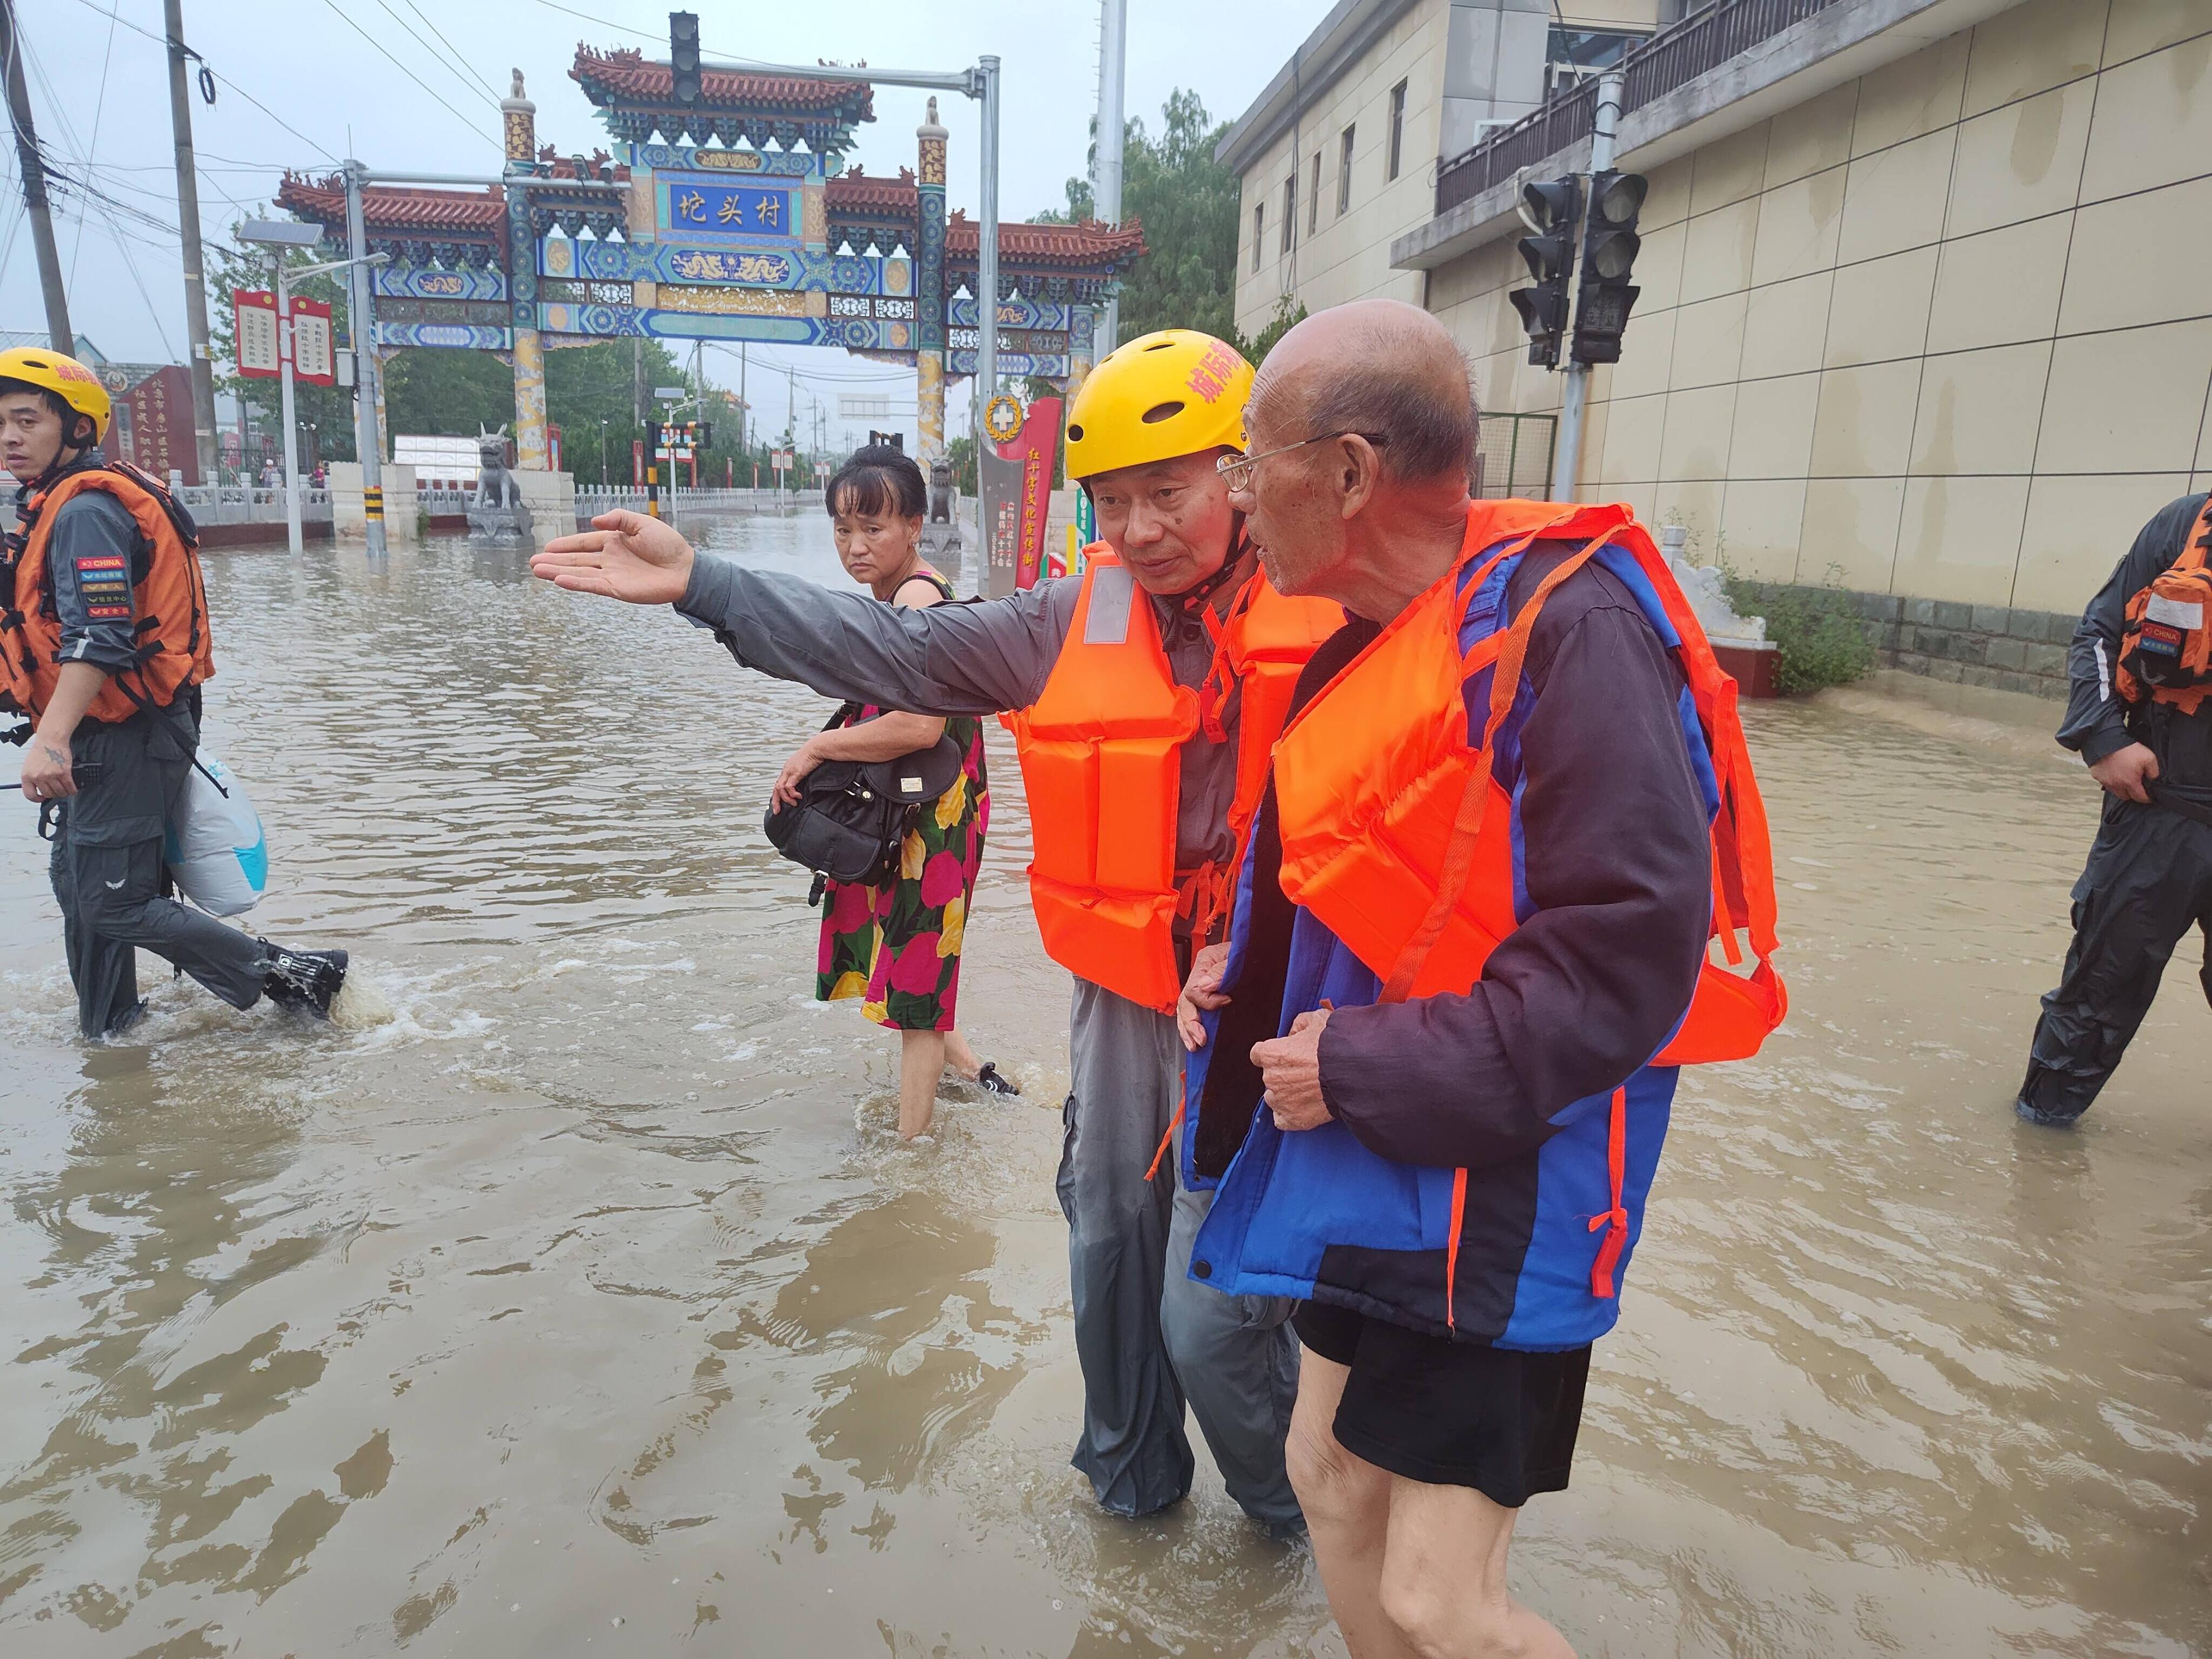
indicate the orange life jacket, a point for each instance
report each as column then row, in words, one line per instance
column 1396, row 835
column 174, row 648
column 2166, row 653
column 1100, row 752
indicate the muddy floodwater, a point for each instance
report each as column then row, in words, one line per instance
column 575, row 1296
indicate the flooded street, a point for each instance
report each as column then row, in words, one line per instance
column 576, row 1296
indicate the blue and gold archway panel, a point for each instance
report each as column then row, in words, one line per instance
column 1017, row 312
column 702, row 207
column 741, row 266
column 445, row 336
column 1018, row 364
column 852, row 333
column 686, row 158
column 490, row 314
column 397, row 281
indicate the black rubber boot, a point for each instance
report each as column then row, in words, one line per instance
column 303, row 979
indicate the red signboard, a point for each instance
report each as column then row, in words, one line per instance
column 255, row 311
column 1035, row 448
column 158, row 415
column 313, row 360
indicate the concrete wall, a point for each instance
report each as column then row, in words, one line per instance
column 1942, row 332
column 399, row 501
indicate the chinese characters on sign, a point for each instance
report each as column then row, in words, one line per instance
column 311, row 360
column 1019, row 487
column 256, row 312
column 157, row 413
column 729, row 210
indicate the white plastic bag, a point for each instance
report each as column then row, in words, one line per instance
column 213, row 842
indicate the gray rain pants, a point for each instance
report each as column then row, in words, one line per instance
column 1147, row 1335
column 2148, row 882
column 107, row 875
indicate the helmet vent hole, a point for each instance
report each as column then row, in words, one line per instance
column 1159, row 412
column 1159, row 345
column 1075, row 434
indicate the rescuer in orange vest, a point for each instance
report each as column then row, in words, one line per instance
column 104, row 645
column 1144, row 696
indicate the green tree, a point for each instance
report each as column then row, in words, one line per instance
column 1188, row 203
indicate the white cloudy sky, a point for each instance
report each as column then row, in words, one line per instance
column 98, row 93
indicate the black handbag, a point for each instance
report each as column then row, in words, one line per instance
column 851, row 818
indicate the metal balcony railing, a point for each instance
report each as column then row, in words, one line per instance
column 1695, row 46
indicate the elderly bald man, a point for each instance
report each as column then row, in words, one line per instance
column 1451, row 1181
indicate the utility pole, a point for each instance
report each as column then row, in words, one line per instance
column 1566, row 465
column 744, row 409
column 188, row 227
column 368, row 429
column 33, row 172
column 1106, row 165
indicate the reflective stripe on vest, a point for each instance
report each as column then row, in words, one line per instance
column 1101, row 760
column 175, row 648
column 2165, row 652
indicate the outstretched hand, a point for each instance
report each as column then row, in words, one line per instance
column 625, row 555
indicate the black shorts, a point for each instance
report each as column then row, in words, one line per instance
column 1451, row 1414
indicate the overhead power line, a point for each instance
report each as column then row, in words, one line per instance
column 385, row 52
column 225, row 80
column 465, row 77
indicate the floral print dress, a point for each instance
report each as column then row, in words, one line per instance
column 898, row 946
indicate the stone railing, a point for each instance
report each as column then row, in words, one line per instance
column 212, row 504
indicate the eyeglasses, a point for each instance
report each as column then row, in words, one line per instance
column 1236, row 470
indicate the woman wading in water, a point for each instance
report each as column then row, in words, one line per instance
column 898, row 946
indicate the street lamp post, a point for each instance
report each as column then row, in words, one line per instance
column 277, row 236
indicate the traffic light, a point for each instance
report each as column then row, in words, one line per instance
column 1550, row 210
column 1609, row 247
column 683, row 54
column 703, row 433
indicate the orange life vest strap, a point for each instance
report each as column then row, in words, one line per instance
column 1166, row 1141
column 1614, row 1220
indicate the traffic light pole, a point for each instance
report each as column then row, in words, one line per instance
column 1566, row 463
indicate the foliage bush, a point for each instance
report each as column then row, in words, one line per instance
column 1821, row 637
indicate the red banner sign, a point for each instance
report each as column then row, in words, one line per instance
column 255, row 313
column 313, row 360
column 1035, row 449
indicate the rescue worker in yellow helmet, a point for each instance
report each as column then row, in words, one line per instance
column 1144, row 695
column 104, row 646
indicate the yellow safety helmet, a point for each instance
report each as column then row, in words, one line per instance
column 66, row 377
column 1175, row 393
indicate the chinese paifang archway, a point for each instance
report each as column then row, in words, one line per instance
column 736, row 221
